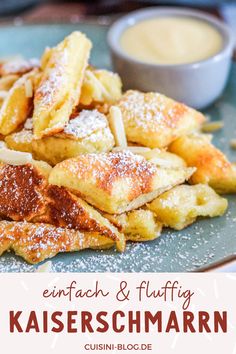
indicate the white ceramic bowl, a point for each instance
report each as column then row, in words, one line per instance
column 196, row 84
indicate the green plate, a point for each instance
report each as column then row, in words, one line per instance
column 204, row 242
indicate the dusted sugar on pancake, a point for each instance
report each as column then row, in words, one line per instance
column 22, row 191
column 17, row 104
column 182, row 205
column 26, row 195
column 154, row 120
column 87, row 132
column 59, row 89
column 18, row 66
column 212, row 165
column 116, row 182
column 37, row 242
column 67, row 210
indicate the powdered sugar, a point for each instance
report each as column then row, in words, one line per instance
column 85, row 124
column 189, row 249
column 110, row 166
column 28, row 124
column 150, row 110
column 24, row 136
column 55, row 78
column 19, row 66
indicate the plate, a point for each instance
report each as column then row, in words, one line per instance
column 204, row 242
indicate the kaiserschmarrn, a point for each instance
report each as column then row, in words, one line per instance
column 85, row 165
column 59, row 89
column 212, row 165
column 154, row 120
column 116, row 182
column 181, row 206
column 87, row 132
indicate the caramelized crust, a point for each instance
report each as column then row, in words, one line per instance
column 21, row 191
column 108, row 168
column 66, row 210
column 212, row 165
column 115, row 182
column 26, row 195
column 36, row 242
column 154, row 120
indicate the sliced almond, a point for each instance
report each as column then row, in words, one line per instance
column 152, row 154
column 13, row 157
column 210, row 127
column 28, row 88
column 233, row 143
column 3, row 94
column 117, row 126
column 140, row 150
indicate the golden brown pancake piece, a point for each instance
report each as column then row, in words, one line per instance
column 26, row 195
column 58, row 91
column 154, row 120
column 22, row 191
column 87, row 132
column 212, row 165
column 18, row 66
column 137, row 225
column 36, row 242
column 6, row 82
column 17, row 105
column 100, row 86
column 115, row 182
column 180, row 206
column 66, row 210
